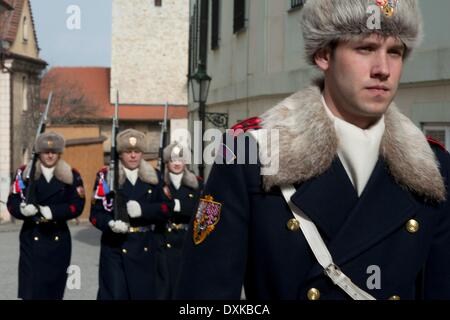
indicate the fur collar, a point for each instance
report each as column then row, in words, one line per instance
column 308, row 145
column 146, row 173
column 189, row 179
column 63, row 171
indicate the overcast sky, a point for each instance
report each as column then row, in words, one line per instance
column 80, row 37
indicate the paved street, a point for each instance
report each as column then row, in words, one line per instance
column 85, row 255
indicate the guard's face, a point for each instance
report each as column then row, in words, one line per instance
column 49, row 159
column 176, row 166
column 131, row 159
column 361, row 77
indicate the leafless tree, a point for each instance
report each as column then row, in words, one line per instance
column 70, row 104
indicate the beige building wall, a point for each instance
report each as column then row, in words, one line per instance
column 150, row 51
column 5, row 145
column 25, row 43
column 259, row 66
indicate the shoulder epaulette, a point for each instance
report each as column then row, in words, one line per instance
column 248, row 124
column 436, row 143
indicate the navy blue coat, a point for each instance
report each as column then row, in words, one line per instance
column 390, row 228
column 128, row 262
column 45, row 246
column 173, row 235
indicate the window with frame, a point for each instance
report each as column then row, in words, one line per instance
column 215, row 23
column 158, row 3
column 25, row 29
column 438, row 132
column 297, row 3
column 24, row 94
column 239, row 15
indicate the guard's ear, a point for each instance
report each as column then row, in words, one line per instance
column 322, row 58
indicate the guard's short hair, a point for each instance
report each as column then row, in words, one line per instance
column 49, row 142
column 325, row 22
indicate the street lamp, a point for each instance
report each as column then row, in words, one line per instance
column 200, row 82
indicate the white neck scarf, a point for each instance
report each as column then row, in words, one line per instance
column 131, row 175
column 47, row 172
column 176, row 179
column 358, row 149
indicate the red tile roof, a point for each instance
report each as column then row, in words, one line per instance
column 12, row 21
column 93, row 83
column 6, row 4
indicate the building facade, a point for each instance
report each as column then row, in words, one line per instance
column 255, row 59
column 20, row 73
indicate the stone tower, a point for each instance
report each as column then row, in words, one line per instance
column 150, row 51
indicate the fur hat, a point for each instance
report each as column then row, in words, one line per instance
column 50, row 142
column 174, row 151
column 131, row 139
column 327, row 21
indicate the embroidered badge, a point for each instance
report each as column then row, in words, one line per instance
column 133, row 141
column 388, row 6
column 206, row 218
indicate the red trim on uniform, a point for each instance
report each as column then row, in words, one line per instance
column 250, row 123
column 436, row 143
column 164, row 208
column 94, row 221
column 72, row 208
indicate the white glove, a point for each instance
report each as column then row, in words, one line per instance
column 46, row 212
column 177, row 207
column 28, row 210
column 134, row 209
column 118, row 226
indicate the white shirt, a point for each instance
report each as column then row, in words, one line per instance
column 47, row 172
column 131, row 175
column 358, row 149
column 176, row 179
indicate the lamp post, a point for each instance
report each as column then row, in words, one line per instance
column 200, row 82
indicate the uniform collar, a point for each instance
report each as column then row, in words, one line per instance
column 308, row 144
column 358, row 149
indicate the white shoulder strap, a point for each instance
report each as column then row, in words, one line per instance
column 321, row 252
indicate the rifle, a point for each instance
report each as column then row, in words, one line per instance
column 120, row 212
column 30, row 194
column 162, row 141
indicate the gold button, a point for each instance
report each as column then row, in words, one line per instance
column 37, row 222
column 293, row 224
column 412, row 226
column 150, row 191
column 394, row 298
column 169, row 245
column 56, row 238
column 145, row 249
column 313, row 294
column 124, row 251
column 191, row 195
column 36, row 238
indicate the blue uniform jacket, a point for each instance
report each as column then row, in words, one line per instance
column 45, row 246
column 393, row 241
column 129, row 262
